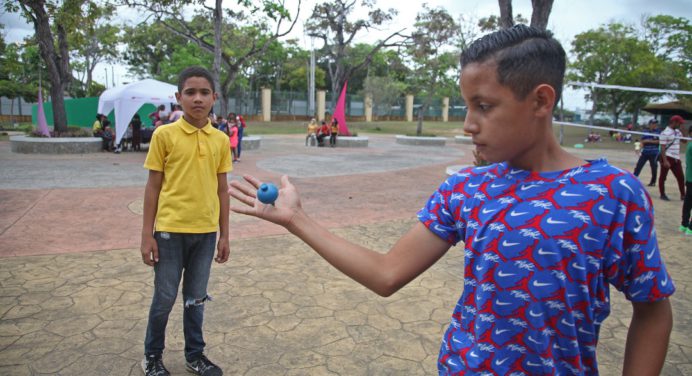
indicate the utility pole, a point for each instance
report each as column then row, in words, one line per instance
column 311, row 80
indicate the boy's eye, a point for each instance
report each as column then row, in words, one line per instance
column 484, row 107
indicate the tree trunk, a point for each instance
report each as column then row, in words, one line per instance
column 541, row 13
column 506, row 16
column 58, row 65
column 216, row 68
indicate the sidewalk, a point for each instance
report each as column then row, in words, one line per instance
column 74, row 293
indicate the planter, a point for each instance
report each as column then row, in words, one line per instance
column 251, row 142
column 421, row 141
column 352, row 142
column 56, row 145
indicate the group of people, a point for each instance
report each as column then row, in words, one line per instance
column 316, row 134
column 545, row 233
column 234, row 126
column 663, row 147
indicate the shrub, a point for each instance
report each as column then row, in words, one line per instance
column 72, row 131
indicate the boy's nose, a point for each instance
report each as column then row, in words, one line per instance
column 470, row 126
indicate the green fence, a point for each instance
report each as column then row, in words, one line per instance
column 81, row 112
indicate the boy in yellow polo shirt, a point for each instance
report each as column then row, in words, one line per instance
column 185, row 203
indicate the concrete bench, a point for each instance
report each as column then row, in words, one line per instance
column 251, row 142
column 55, row 145
column 421, row 141
column 463, row 140
column 352, row 141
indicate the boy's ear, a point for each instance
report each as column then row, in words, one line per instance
column 177, row 97
column 544, row 99
column 216, row 96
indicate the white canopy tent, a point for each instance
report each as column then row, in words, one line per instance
column 127, row 99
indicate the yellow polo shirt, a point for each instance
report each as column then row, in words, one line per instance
column 190, row 159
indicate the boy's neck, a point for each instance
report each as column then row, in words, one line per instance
column 199, row 123
column 546, row 155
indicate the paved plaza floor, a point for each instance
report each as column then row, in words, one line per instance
column 74, row 294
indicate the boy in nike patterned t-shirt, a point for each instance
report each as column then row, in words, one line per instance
column 545, row 233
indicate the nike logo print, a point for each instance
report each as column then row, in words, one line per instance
column 479, row 268
column 551, row 221
column 539, row 284
column 505, row 243
column 581, row 330
column 498, row 332
column 650, row 255
column 664, row 282
column 545, row 253
column 577, row 266
column 639, row 224
column 499, row 362
column 473, row 354
column 525, row 187
column 516, row 214
column 503, row 274
column 564, row 322
column 565, row 194
column 535, row 314
column 534, row 341
column 604, row 210
column 622, row 183
column 588, row 237
column 473, row 185
column 636, row 293
column 486, row 211
column 477, row 239
column 497, row 185
column 465, row 209
column 533, row 364
column 502, row 303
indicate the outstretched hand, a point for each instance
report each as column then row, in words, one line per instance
column 286, row 206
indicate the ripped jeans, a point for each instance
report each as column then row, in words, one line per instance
column 188, row 256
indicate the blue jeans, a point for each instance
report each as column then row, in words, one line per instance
column 188, row 256
column 240, row 140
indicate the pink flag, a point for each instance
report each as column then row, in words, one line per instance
column 340, row 112
column 41, row 123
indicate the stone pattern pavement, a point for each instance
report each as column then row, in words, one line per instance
column 74, row 293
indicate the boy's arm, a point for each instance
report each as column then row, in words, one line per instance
column 223, row 248
column 647, row 338
column 148, row 247
column 384, row 274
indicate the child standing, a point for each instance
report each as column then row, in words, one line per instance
column 687, row 205
column 185, row 204
column 545, row 233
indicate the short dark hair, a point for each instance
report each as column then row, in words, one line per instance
column 194, row 72
column 526, row 57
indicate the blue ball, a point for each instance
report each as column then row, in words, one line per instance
column 267, row 193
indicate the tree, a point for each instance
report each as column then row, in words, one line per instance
column 239, row 34
column 671, row 41
column 613, row 55
column 384, row 91
column 539, row 17
column 93, row 42
column 329, row 23
column 432, row 54
column 53, row 45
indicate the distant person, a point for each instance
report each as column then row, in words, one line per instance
column 101, row 128
column 136, row 124
column 322, row 133
column 687, row 205
column 157, row 117
column 670, row 156
column 176, row 114
column 334, row 130
column 241, row 130
column 222, row 124
column 311, row 137
column 649, row 153
column 233, row 137
column 185, row 204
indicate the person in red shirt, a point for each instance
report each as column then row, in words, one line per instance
column 322, row 133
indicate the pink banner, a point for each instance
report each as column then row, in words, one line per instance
column 41, row 123
column 340, row 112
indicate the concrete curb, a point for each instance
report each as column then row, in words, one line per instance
column 421, row 141
column 64, row 145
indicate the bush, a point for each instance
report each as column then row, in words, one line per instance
column 72, row 131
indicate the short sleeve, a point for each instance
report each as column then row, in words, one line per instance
column 225, row 164
column 633, row 262
column 157, row 152
column 438, row 213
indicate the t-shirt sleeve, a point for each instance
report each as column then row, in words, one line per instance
column 438, row 213
column 633, row 262
column 225, row 164
column 157, row 152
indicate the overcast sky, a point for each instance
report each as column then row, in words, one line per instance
column 568, row 18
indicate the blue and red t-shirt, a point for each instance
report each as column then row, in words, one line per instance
column 541, row 250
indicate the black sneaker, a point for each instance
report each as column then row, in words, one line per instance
column 153, row 366
column 665, row 198
column 203, row 367
column 652, row 184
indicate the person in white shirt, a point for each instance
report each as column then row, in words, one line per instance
column 670, row 156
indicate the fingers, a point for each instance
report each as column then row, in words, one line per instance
column 155, row 253
column 285, row 183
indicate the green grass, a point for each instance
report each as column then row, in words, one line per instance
column 572, row 135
